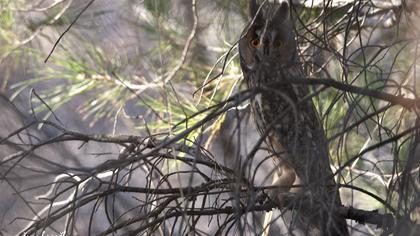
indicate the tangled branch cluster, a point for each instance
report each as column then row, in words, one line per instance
column 363, row 73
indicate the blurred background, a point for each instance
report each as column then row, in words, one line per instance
column 157, row 68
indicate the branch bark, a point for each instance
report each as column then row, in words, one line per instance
column 381, row 220
column 383, row 4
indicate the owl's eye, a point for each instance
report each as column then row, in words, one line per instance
column 255, row 43
column 278, row 43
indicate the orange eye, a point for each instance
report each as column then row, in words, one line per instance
column 278, row 43
column 255, row 43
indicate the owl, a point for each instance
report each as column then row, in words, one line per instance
column 286, row 117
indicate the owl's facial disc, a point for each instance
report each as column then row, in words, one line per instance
column 273, row 38
column 268, row 43
column 270, row 38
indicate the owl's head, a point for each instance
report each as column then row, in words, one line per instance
column 269, row 38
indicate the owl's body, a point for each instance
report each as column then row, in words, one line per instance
column 286, row 117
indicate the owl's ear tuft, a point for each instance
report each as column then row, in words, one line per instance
column 253, row 8
column 284, row 7
column 282, row 12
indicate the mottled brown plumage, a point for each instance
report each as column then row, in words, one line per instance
column 283, row 113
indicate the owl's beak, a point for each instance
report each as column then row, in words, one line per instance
column 268, row 42
column 259, row 56
column 265, row 50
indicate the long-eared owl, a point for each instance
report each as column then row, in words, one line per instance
column 286, row 117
